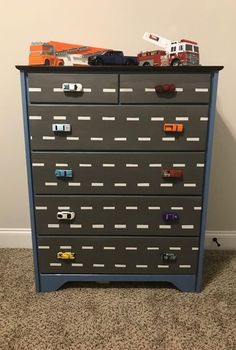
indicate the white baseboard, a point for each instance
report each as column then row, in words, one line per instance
column 21, row 238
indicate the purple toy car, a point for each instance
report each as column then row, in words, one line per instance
column 170, row 216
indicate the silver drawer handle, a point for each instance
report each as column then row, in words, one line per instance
column 72, row 87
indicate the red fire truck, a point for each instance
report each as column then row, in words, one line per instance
column 183, row 52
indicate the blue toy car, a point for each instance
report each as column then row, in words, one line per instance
column 112, row 58
column 63, row 173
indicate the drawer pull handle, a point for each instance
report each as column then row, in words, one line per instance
column 63, row 173
column 72, row 87
column 65, row 255
column 165, row 88
column 173, row 128
column 170, row 216
column 61, row 128
column 170, row 257
column 172, row 173
column 65, row 215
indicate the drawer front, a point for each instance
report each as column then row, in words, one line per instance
column 140, row 88
column 113, row 215
column 96, row 88
column 117, row 173
column 118, row 127
column 121, row 255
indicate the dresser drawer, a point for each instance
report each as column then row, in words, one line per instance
column 96, row 88
column 118, row 127
column 119, row 255
column 140, row 88
column 117, row 173
column 112, row 215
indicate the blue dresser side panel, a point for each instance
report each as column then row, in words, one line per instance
column 29, row 177
column 212, row 110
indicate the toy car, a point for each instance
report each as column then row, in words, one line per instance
column 63, row 173
column 66, row 255
column 172, row 173
column 170, row 217
column 65, row 215
column 112, row 58
column 173, row 127
column 61, row 127
column 68, row 87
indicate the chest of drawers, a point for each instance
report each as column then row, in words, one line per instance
column 118, row 162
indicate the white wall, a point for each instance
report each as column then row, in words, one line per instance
column 119, row 25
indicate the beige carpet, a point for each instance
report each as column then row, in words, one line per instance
column 117, row 316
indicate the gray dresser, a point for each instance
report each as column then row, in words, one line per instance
column 118, row 163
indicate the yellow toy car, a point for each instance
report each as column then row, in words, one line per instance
column 66, row 255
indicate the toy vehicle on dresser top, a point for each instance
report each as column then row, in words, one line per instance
column 112, row 57
column 44, row 54
column 176, row 53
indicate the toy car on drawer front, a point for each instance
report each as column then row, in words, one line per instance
column 112, row 58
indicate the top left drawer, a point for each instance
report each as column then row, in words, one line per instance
column 91, row 88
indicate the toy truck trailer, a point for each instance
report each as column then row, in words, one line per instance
column 112, row 57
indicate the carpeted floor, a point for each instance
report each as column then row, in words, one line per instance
column 117, row 316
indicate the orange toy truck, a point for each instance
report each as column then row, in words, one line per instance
column 44, row 54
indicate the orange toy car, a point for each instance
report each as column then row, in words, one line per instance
column 173, row 127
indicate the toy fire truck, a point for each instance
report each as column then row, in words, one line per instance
column 183, row 52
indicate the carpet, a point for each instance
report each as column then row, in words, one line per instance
column 117, row 316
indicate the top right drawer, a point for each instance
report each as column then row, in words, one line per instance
column 153, row 88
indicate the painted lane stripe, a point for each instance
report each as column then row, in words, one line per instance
column 190, row 185
column 141, row 266
column 97, row 184
column 158, row 165
column 108, row 165
column 131, row 165
column 126, row 89
column 37, row 164
column 86, row 208
column 35, row 117
column 154, row 208
column 195, row 248
column 144, row 138
column 98, row 265
column 184, row 266
column 143, row 184
column 150, row 90
column 96, row 138
column 120, row 265
column 142, row 226
column 87, row 247
column 165, row 227
column 197, row 208
column 157, row 119
column 43, row 247
column 53, row 225
column 84, row 165
column 163, row 266
column 166, row 185
column 72, row 138
column 109, row 208
column 201, row 89
column 203, row 119
column 65, row 247
column 192, row 139
column 84, row 117
column 187, row 227
column 200, row 165
column 108, row 118
column 152, row 248
column 55, row 264
column 87, row 90
column 179, row 165
column 120, row 226
column 71, row 184
column 181, row 118
column 120, row 138
column 75, row 226
column 131, row 208
column 41, row 208
column 120, row 184
column 63, row 208
column 61, row 164
column 31, row 89
column 48, row 137
column 59, row 117
column 51, row 183
column 132, row 119
column 77, row 265
column 174, row 248
column 131, row 248
column 97, row 226
column 109, row 248
column 168, row 138
column 177, row 208
column 108, row 90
